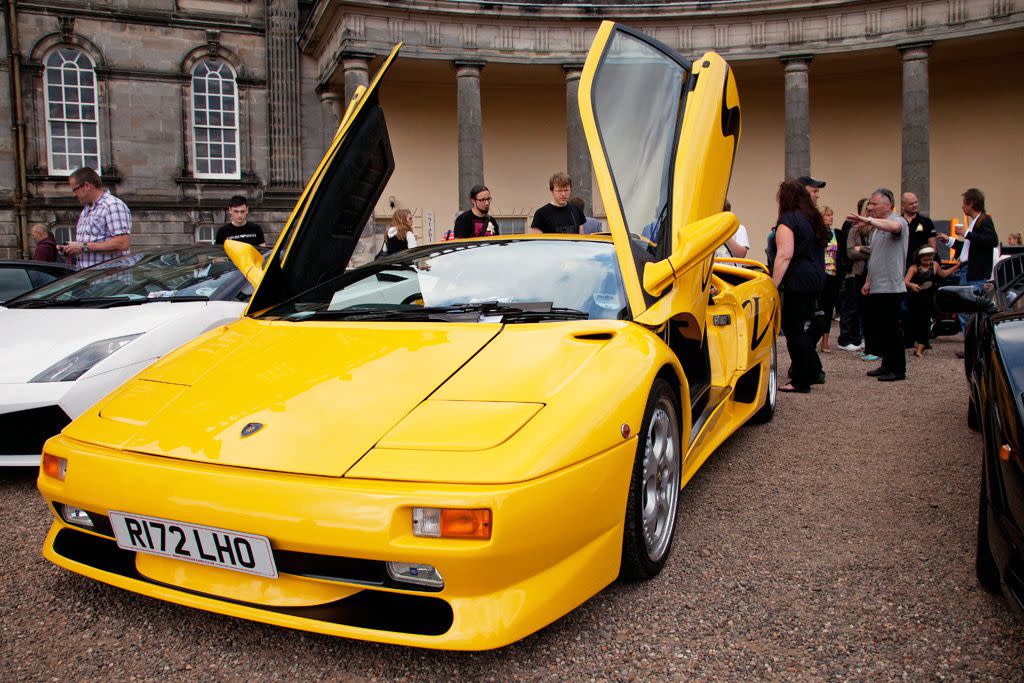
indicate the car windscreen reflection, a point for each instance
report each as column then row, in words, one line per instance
column 535, row 279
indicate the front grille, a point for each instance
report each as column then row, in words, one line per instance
column 371, row 609
column 24, row 432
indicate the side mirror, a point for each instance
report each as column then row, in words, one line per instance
column 702, row 238
column 963, row 299
column 247, row 259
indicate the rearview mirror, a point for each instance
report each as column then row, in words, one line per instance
column 702, row 238
column 247, row 259
column 963, row 299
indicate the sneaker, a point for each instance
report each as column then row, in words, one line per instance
column 870, row 357
column 851, row 347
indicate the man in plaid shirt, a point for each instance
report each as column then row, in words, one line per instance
column 105, row 226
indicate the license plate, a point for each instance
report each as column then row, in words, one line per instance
column 195, row 543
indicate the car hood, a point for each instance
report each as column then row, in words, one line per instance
column 38, row 338
column 306, row 398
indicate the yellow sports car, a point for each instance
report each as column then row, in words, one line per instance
column 456, row 445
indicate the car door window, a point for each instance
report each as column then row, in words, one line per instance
column 13, row 281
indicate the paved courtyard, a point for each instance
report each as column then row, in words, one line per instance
column 835, row 543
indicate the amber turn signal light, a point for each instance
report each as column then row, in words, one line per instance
column 55, row 467
column 451, row 523
column 1005, row 451
column 465, row 523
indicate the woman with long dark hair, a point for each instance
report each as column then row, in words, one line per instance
column 799, row 272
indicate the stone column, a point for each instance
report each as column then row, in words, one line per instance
column 330, row 112
column 916, row 176
column 798, row 116
column 471, row 144
column 578, row 163
column 356, row 67
column 283, row 87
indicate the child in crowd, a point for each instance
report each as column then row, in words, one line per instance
column 921, row 283
column 833, row 279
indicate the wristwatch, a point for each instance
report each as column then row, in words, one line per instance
column 85, row 247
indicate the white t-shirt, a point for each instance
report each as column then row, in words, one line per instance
column 741, row 239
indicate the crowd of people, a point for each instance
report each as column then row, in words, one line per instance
column 880, row 270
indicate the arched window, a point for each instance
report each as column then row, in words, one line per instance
column 205, row 233
column 72, row 119
column 214, row 120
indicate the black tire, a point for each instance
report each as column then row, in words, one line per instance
column 766, row 412
column 984, row 564
column 972, row 413
column 653, row 488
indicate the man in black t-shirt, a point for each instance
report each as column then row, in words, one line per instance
column 559, row 216
column 922, row 230
column 477, row 222
column 239, row 228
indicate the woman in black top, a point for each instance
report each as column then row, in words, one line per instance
column 799, row 271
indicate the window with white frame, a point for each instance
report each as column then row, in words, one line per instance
column 63, row 234
column 205, row 234
column 214, row 120
column 72, row 117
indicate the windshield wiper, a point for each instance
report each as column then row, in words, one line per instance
column 486, row 311
column 97, row 302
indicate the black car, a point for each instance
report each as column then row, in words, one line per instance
column 18, row 276
column 994, row 360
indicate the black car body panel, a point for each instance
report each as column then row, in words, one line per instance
column 18, row 276
column 994, row 362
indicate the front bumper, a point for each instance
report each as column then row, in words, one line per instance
column 29, row 415
column 556, row 541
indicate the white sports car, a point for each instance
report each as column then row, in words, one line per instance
column 69, row 343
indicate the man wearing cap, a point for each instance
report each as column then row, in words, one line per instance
column 813, row 186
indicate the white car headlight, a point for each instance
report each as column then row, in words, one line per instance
column 78, row 363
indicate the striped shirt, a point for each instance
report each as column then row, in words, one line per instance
column 105, row 218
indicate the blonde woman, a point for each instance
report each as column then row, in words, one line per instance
column 399, row 236
column 830, row 294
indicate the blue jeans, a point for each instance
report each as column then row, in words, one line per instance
column 976, row 284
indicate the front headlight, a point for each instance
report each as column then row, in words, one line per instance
column 78, row 363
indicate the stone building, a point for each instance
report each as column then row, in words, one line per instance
column 920, row 96
column 179, row 103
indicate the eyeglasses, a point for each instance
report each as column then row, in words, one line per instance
column 482, row 199
column 77, row 187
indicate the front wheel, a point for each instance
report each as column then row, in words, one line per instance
column 653, row 487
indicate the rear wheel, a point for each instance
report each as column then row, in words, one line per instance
column 653, row 488
column 767, row 411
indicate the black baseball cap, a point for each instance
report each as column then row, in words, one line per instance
column 808, row 181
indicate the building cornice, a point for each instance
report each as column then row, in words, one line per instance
column 561, row 33
column 193, row 20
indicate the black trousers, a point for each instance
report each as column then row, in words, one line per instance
column 850, row 331
column 829, row 297
column 884, row 319
column 797, row 318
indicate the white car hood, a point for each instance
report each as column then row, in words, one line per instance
column 33, row 339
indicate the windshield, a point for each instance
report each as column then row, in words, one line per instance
column 190, row 272
column 526, row 280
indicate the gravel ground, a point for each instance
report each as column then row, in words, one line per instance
column 835, row 543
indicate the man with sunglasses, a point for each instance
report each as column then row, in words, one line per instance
column 477, row 222
column 104, row 229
